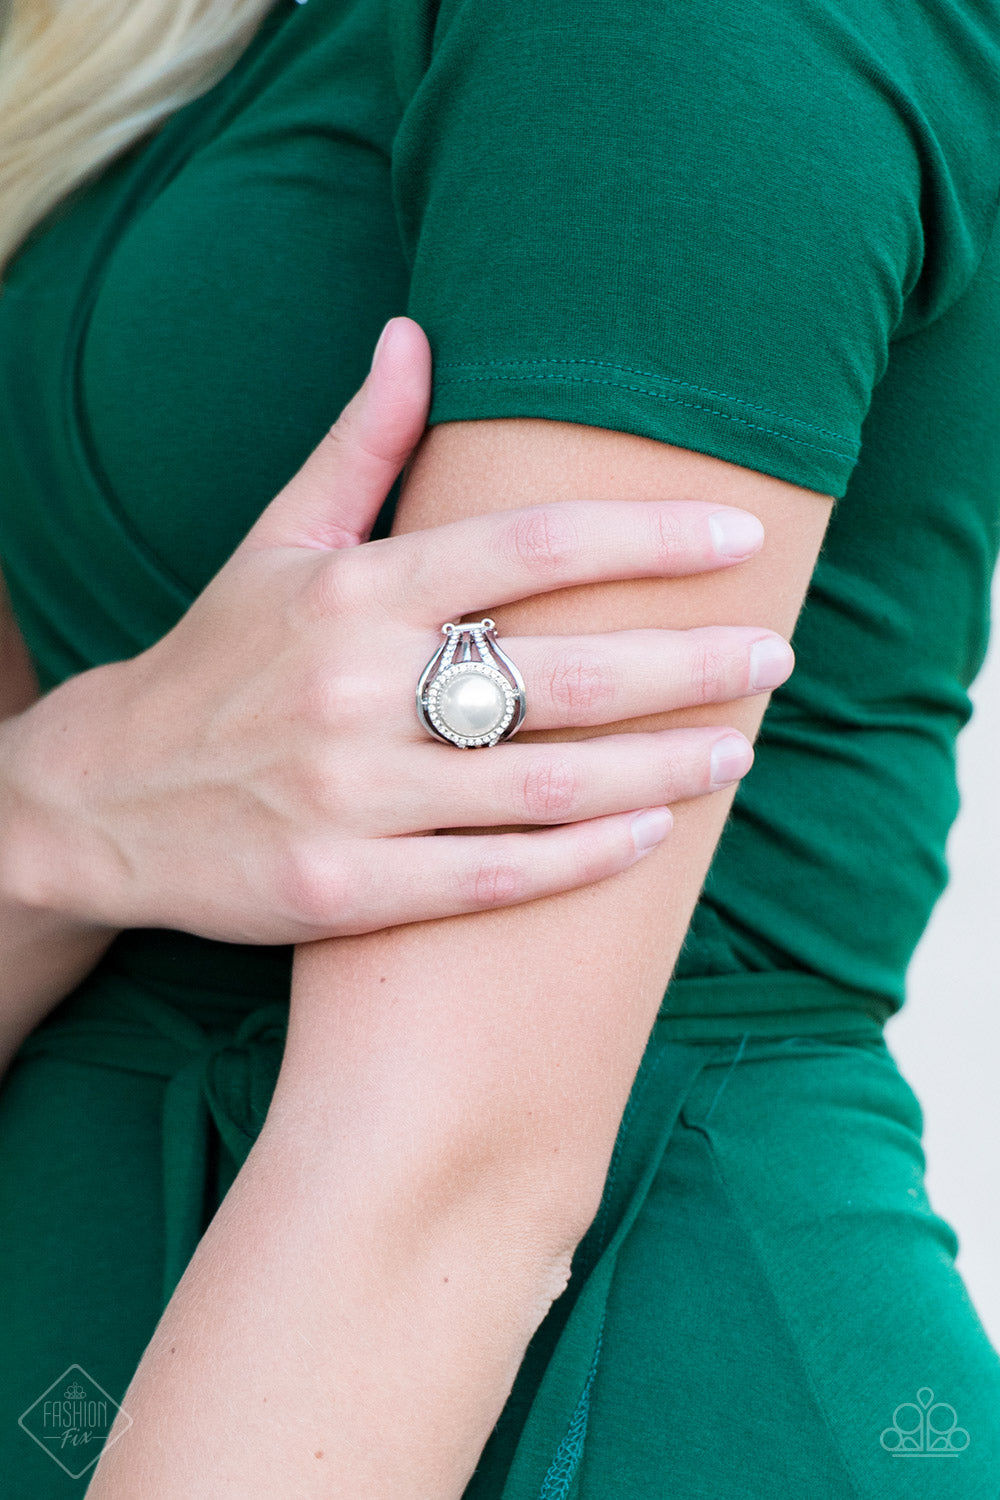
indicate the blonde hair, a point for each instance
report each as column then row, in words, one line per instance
column 82, row 80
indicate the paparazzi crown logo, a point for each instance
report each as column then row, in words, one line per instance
column 71, row 1421
column 924, row 1429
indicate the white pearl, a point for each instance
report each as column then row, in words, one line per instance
column 471, row 704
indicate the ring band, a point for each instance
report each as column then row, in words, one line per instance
column 466, row 700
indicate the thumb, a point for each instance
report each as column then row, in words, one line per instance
column 335, row 497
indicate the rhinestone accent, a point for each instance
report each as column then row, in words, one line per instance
column 463, row 668
column 439, row 690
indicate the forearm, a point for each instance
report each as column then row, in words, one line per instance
column 363, row 1315
column 527, row 1023
column 515, row 1035
column 42, row 958
column 45, row 950
column 368, row 1287
column 449, row 1096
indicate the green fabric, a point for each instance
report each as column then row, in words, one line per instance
column 764, row 232
column 760, row 1306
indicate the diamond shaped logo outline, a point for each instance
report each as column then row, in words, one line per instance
column 73, row 1371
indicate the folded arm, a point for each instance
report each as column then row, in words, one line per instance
column 42, row 953
column 442, row 1128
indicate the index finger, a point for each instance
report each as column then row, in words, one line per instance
column 482, row 561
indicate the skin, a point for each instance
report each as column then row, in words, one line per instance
column 251, row 724
column 451, row 1089
column 43, row 953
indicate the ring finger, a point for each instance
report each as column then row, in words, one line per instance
column 517, row 785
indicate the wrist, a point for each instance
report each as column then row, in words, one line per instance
column 54, row 861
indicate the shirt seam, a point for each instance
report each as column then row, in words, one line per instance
column 658, row 395
column 701, row 390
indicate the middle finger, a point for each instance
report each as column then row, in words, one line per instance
column 586, row 680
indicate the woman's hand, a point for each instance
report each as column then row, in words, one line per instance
column 259, row 774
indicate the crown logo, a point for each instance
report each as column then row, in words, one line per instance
column 924, row 1429
column 71, row 1421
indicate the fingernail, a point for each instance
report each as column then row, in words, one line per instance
column 731, row 757
column 650, row 828
column 383, row 341
column 771, row 661
column 735, row 533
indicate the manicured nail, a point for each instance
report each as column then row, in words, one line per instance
column 771, row 661
column 383, row 341
column 650, row 828
column 731, row 758
column 736, row 533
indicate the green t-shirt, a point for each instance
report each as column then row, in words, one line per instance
column 765, row 232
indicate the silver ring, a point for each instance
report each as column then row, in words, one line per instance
column 468, row 700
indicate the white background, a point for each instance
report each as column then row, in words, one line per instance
column 946, row 1039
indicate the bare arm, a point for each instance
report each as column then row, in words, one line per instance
column 451, row 1090
column 43, row 955
column 119, row 787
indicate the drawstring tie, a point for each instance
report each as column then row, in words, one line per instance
column 217, row 1082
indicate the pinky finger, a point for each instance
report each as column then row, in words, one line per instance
column 415, row 879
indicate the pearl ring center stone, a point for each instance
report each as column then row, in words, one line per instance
column 471, row 703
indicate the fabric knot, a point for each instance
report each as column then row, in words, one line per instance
column 218, row 1083
column 225, row 1085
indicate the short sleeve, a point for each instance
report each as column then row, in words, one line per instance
column 702, row 223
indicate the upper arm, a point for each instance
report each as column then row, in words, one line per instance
column 600, row 957
column 517, row 1032
column 659, row 251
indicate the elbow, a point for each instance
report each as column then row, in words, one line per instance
column 548, row 1200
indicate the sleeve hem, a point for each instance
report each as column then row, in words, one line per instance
column 666, row 408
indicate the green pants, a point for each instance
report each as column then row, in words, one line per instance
column 765, row 1304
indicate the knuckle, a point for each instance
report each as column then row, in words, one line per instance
column 680, row 761
column 671, row 533
column 348, row 438
column 314, row 788
column 316, row 891
column 712, row 671
column 331, row 698
column 494, row 882
column 409, row 570
column 580, row 684
column 340, row 585
column 544, row 538
column 548, row 789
